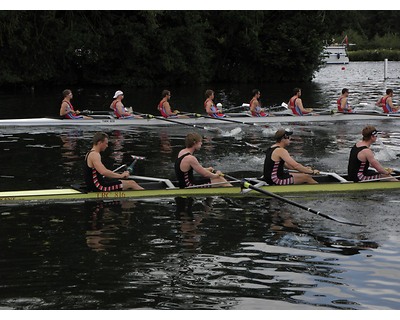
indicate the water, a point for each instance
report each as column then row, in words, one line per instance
column 214, row 253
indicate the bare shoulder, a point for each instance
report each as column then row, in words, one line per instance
column 93, row 156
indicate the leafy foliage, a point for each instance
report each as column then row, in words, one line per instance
column 145, row 48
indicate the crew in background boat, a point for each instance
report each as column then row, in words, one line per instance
column 343, row 102
column 278, row 158
column 119, row 110
column 67, row 110
column 210, row 107
column 386, row 103
column 296, row 104
column 186, row 163
column 255, row 105
column 97, row 176
column 165, row 108
column 361, row 157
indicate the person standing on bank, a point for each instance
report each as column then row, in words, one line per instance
column 97, row 176
column 361, row 157
column 278, row 158
column 119, row 109
column 67, row 110
column 186, row 163
column 296, row 104
column 165, row 108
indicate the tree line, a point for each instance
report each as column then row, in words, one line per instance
column 146, row 48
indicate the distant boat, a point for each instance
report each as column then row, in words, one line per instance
column 335, row 54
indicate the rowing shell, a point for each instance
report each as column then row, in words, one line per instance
column 243, row 118
column 161, row 189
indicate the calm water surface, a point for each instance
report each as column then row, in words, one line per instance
column 214, row 253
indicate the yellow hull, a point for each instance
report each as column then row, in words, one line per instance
column 63, row 195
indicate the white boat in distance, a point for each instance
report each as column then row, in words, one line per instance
column 335, row 54
column 234, row 118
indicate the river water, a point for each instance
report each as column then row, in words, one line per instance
column 215, row 253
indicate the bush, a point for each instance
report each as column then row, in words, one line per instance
column 374, row 55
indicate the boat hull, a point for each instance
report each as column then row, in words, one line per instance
column 68, row 195
column 49, row 122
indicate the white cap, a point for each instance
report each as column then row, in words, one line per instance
column 219, row 104
column 118, row 93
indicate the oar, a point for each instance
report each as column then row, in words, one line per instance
column 244, row 105
column 94, row 112
column 216, row 130
column 135, row 159
column 232, row 121
column 247, row 185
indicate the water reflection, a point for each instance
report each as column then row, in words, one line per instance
column 190, row 221
column 105, row 221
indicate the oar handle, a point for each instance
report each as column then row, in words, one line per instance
column 138, row 157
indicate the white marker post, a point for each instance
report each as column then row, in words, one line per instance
column 385, row 69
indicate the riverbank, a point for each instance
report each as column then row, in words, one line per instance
column 374, row 55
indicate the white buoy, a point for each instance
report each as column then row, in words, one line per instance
column 385, row 69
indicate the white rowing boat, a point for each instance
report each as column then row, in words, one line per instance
column 238, row 118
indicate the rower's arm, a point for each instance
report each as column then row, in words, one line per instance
column 374, row 163
column 290, row 163
column 208, row 107
column 63, row 109
column 167, row 108
column 121, row 109
column 95, row 161
column 201, row 170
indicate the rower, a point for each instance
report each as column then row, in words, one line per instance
column 296, row 104
column 361, row 157
column 343, row 102
column 386, row 103
column 186, row 163
column 255, row 105
column 165, row 108
column 119, row 110
column 278, row 158
column 210, row 107
column 67, row 110
column 95, row 172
